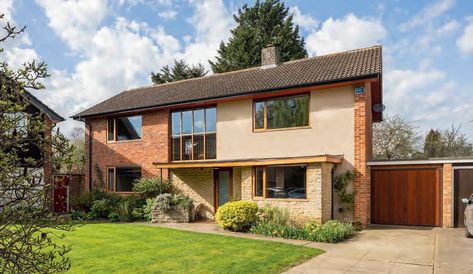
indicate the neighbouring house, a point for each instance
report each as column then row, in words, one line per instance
column 276, row 134
column 41, row 154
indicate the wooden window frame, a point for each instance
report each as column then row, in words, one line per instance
column 265, row 184
column 115, row 130
column 265, row 113
column 192, row 134
column 114, row 168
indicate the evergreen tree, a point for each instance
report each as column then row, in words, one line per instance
column 433, row 144
column 267, row 22
column 179, row 71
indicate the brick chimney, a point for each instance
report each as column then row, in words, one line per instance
column 269, row 56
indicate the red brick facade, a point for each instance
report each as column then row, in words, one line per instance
column 47, row 167
column 154, row 146
column 363, row 152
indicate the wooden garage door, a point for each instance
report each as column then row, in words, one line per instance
column 406, row 196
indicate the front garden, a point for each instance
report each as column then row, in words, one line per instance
column 135, row 248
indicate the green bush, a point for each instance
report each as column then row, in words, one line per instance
column 237, row 216
column 150, row 187
column 288, row 231
column 84, row 201
column 333, row 232
column 113, row 216
column 101, row 208
column 78, row 215
column 147, row 208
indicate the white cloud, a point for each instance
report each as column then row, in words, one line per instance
column 448, row 28
column 427, row 14
column 346, row 33
column 168, row 14
column 306, row 22
column 465, row 42
column 75, row 21
column 6, row 8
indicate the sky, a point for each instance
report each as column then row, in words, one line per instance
column 96, row 49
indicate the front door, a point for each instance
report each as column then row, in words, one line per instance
column 223, row 186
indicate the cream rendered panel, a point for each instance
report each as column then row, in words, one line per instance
column 331, row 130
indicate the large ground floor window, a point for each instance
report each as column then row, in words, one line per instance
column 286, row 182
column 121, row 179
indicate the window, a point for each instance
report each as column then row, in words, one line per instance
column 121, row 179
column 193, row 134
column 124, row 128
column 284, row 112
column 287, row 182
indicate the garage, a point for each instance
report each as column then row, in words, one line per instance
column 406, row 195
column 462, row 188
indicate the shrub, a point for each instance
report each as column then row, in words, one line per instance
column 288, row 231
column 274, row 215
column 147, row 208
column 101, row 208
column 78, row 215
column 333, row 232
column 113, row 216
column 84, row 201
column 166, row 201
column 124, row 211
column 237, row 216
column 150, row 187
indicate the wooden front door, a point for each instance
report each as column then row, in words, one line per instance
column 406, row 196
column 223, row 187
column 463, row 188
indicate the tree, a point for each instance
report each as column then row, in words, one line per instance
column 26, row 223
column 433, row 144
column 179, row 71
column 395, row 138
column 264, row 23
column 447, row 143
column 68, row 155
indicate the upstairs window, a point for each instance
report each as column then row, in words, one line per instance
column 280, row 113
column 193, row 134
column 124, row 128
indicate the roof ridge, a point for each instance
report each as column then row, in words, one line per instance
column 258, row 67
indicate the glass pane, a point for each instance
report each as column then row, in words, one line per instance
column 259, row 182
column 176, row 123
column 126, row 177
column 210, row 146
column 128, row 128
column 210, row 119
column 111, row 179
column 288, row 112
column 199, row 121
column 176, row 148
column 110, row 130
column 259, row 115
column 187, row 122
column 198, row 147
column 286, row 182
column 186, row 147
column 223, row 187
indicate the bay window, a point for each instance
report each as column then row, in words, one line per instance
column 277, row 113
column 280, row 182
column 193, row 134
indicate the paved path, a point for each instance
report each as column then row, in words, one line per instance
column 378, row 249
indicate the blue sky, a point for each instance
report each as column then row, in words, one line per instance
column 96, row 49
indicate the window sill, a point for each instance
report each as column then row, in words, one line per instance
column 280, row 129
column 125, row 141
column 280, row 199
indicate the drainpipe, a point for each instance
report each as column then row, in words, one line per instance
column 90, row 157
column 333, row 182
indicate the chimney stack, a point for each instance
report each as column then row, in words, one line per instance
column 269, row 56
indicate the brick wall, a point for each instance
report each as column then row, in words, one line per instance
column 447, row 196
column 154, row 146
column 363, row 152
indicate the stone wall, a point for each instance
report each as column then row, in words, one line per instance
column 318, row 204
column 197, row 184
column 176, row 214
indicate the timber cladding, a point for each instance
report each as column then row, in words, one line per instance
column 406, row 195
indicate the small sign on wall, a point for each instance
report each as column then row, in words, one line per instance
column 359, row 90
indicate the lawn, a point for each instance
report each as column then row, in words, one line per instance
column 132, row 248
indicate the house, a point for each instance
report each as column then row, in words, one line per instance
column 275, row 134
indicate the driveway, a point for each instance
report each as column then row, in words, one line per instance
column 389, row 249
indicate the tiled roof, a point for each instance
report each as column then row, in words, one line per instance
column 348, row 65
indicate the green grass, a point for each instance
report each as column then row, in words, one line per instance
column 131, row 248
